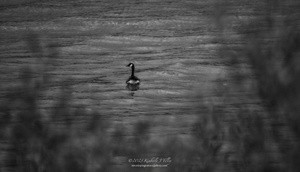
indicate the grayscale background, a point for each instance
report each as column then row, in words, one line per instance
column 219, row 85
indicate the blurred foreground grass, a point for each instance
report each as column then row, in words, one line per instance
column 249, row 141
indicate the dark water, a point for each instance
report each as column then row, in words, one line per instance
column 172, row 44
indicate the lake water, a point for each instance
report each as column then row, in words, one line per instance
column 173, row 44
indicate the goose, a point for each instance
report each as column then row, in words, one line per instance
column 132, row 79
column 132, row 82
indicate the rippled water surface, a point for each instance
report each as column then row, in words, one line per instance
column 172, row 44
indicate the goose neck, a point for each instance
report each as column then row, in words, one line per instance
column 132, row 71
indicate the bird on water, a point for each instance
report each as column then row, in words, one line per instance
column 132, row 82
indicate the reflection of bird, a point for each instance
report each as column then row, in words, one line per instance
column 132, row 82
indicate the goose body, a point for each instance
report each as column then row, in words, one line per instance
column 133, row 80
